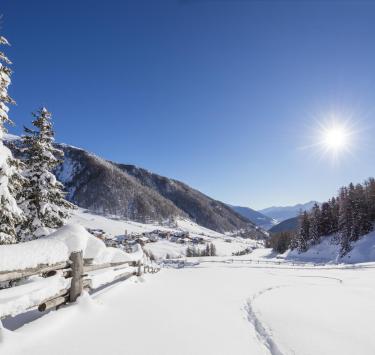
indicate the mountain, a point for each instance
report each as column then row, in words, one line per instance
column 256, row 217
column 282, row 213
column 100, row 186
column 200, row 208
column 137, row 194
column 289, row 225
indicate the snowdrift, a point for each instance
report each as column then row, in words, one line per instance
column 327, row 250
column 58, row 246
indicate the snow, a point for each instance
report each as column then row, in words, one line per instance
column 31, row 254
column 117, row 227
column 66, row 170
column 10, row 137
column 253, row 304
column 327, row 250
column 74, row 236
column 102, row 277
column 16, row 300
column 214, row 308
column 337, row 320
column 58, row 246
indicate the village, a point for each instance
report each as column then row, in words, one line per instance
column 128, row 240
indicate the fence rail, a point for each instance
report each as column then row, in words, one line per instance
column 77, row 270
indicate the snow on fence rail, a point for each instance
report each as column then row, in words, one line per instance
column 70, row 261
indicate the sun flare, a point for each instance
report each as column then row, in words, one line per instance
column 335, row 137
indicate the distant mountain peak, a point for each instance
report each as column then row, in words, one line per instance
column 283, row 213
column 254, row 216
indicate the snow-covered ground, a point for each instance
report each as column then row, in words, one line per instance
column 117, row 227
column 260, row 303
column 363, row 250
column 213, row 308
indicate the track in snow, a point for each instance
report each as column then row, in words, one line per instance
column 264, row 334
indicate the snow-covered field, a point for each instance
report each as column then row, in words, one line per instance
column 117, row 227
column 214, row 308
column 259, row 303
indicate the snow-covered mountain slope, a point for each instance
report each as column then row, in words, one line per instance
column 200, row 208
column 256, row 217
column 100, row 186
column 115, row 227
column 285, row 212
column 136, row 194
column 363, row 250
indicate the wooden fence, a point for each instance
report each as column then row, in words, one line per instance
column 76, row 269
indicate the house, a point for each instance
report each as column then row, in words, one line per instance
column 143, row 240
column 198, row 240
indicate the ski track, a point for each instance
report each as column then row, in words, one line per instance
column 263, row 334
column 322, row 277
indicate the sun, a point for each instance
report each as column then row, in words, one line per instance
column 335, row 137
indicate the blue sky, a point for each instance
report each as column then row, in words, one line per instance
column 222, row 95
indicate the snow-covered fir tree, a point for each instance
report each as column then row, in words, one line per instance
column 10, row 178
column 315, row 231
column 361, row 219
column 326, row 219
column 43, row 198
column 346, row 218
column 370, row 197
column 335, row 210
column 303, row 236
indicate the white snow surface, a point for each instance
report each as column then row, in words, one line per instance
column 117, row 227
column 214, row 308
column 16, row 300
column 328, row 250
column 58, row 246
column 252, row 304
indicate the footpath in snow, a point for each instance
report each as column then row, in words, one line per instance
column 213, row 308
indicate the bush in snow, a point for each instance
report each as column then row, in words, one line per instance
column 42, row 199
column 10, row 178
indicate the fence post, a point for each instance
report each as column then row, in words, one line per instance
column 77, row 272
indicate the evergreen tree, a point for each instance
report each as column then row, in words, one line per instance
column 10, row 178
column 304, row 233
column 326, row 223
column 315, row 231
column 280, row 242
column 370, row 198
column 189, row 252
column 43, row 199
column 212, row 249
column 345, row 220
column 334, row 214
column 361, row 218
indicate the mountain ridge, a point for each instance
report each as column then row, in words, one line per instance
column 281, row 213
column 254, row 216
column 134, row 193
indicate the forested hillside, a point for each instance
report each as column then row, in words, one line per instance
column 348, row 216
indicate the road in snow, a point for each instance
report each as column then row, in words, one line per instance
column 213, row 308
